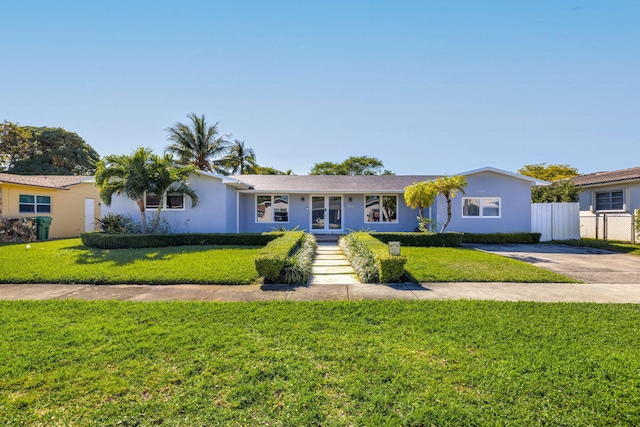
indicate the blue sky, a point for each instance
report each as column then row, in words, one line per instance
column 428, row 87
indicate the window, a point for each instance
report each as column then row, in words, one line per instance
column 610, row 201
column 35, row 204
column 272, row 208
column 171, row 202
column 481, row 207
column 380, row 208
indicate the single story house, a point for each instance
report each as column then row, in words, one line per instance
column 73, row 202
column 607, row 203
column 494, row 201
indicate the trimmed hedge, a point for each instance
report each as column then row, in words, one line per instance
column 129, row 241
column 501, row 238
column 363, row 250
column 451, row 240
column 272, row 259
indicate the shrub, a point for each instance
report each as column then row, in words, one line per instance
column 451, row 240
column 371, row 259
column 127, row 241
column 272, row 259
column 113, row 223
column 297, row 268
column 501, row 238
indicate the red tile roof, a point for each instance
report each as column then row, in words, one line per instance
column 596, row 178
column 47, row 181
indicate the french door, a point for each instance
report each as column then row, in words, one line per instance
column 326, row 213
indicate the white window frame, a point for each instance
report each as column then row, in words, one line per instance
column 480, row 208
column 610, row 192
column 35, row 204
column 381, row 197
column 272, row 220
column 165, row 206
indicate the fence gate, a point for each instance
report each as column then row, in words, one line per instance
column 608, row 226
column 556, row 221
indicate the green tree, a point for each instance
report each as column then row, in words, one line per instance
column 549, row 173
column 198, row 143
column 362, row 165
column 557, row 191
column 29, row 150
column 448, row 186
column 140, row 173
column 268, row 170
column 420, row 195
column 240, row 159
column 14, row 144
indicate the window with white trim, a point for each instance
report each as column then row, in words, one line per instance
column 35, row 204
column 170, row 202
column 610, row 200
column 481, row 207
column 380, row 208
column 272, row 208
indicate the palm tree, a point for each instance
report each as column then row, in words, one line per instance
column 198, row 143
column 448, row 186
column 138, row 174
column 420, row 195
column 240, row 159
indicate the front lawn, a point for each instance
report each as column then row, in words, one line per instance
column 67, row 261
column 609, row 245
column 469, row 265
column 373, row 363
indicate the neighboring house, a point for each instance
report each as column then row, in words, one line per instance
column 71, row 201
column 607, row 203
column 494, row 201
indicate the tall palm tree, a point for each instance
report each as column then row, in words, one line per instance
column 448, row 186
column 138, row 174
column 240, row 159
column 198, row 143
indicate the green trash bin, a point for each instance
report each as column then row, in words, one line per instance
column 42, row 227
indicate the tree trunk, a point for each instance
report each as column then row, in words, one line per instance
column 143, row 217
column 448, row 212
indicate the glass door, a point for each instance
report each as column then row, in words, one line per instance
column 326, row 213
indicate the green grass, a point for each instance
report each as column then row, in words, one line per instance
column 67, row 261
column 373, row 363
column 609, row 245
column 468, row 265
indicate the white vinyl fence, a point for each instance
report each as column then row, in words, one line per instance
column 608, row 226
column 556, row 221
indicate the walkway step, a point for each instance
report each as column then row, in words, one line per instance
column 331, row 266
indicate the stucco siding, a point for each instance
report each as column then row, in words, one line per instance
column 631, row 195
column 67, row 206
column 515, row 205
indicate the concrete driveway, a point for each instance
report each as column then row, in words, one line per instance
column 587, row 264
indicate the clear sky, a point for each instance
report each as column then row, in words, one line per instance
column 428, row 87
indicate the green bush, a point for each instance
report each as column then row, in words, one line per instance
column 129, row 241
column 371, row 259
column 297, row 268
column 501, row 238
column 272, row 259
column 451, row 240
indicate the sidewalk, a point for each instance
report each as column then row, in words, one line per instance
column 543, row 292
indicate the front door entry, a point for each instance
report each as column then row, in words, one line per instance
column 326, row 213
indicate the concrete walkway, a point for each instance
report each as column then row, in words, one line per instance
column 543, row 292
column 330, row 266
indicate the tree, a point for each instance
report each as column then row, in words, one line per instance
column 140, row 173
column 362, row 165
column 549, row 173
column 268, row 170
column 557, row 191
column 240, row 159
column 14, row 144
column 29, row 150
column 420, row 195
column 448, row 186
column 198, row 144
